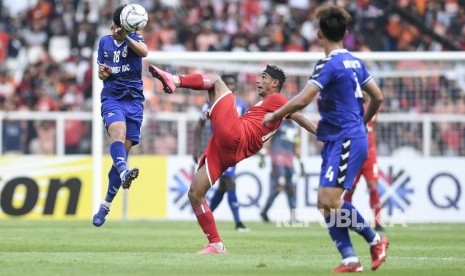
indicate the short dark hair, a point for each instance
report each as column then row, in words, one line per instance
column 117, row 15
column 229, row 76
column 333, row 21
column 276, row 73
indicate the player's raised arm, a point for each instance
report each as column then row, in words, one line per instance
column 104, row 71
column 298, row 102
column 376, row 99
column 137, row 46
column 303, row 121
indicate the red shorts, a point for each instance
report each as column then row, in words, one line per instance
column 369, row 170
column 221, row 150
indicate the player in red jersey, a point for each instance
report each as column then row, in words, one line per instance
column 370, row 172
column 234, row 137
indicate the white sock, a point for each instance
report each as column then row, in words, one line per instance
column 376, row 239
column 218, row 246
column 121, row 175
column 107, row 204
column 176, row 80
column 350, row 260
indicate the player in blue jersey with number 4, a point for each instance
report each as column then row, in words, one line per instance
column 340, row 78
column 120, row 67
column 227, row 182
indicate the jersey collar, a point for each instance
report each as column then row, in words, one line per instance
column 338, row 51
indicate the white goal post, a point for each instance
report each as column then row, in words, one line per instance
column 294, row 64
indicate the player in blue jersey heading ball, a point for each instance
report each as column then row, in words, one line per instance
column 339, row 78
column 120, row 67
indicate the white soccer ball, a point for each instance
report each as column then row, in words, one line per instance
column 133, row 17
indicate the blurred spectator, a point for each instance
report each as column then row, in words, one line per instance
column 75, row 137
column 44, row 143
column 46, row 48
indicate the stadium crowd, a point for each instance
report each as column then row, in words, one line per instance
column 46, row 52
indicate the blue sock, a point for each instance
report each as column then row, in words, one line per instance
column 340, row 236
column 118, row 154
column 234, row 205
column 114, row 182
column 359, row 224
column 216, row 199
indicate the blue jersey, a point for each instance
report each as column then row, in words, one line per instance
column 241, row 109
column 126, row 68
column 340, row 76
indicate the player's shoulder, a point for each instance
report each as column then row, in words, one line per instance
column 105, row 41
column 106, row 38
column 276, row 97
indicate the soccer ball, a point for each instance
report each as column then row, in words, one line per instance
column 133, row 17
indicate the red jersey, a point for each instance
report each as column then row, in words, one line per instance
column 235, row 138
column 372, row 135
column 255, row 133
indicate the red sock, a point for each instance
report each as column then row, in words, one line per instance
column 207, row 222
column 348, row 196
column 374, row 203
column 196, row 81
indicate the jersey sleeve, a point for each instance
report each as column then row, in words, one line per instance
column 365, row 74
column 322, row 74
column 137, row 37
column 100, row 52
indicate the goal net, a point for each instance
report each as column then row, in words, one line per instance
column 422, row 112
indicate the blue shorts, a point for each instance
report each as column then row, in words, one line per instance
column 342, row 159
column 125, row 110
column 230, row 172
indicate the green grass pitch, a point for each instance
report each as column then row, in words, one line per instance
column 168, row 247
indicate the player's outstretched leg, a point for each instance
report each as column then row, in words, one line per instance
column 128, row 176
column 378, row 244
column 191, row 81
column 199, row 187
column 269, row 202
column 99, row 217
column 234, row 206
column 114, row 183
column 347, row 268
column 165, row 78
column 379, row 252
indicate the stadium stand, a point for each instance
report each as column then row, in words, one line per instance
column 46, row 49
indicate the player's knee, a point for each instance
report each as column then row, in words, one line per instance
column 194, row 195
column 117, row 134
column 325, row 203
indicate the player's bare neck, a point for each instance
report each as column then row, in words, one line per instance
column 269, row 93
column 331, row 46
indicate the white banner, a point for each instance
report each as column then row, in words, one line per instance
column 411, row 190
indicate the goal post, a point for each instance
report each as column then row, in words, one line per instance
column 97, row 137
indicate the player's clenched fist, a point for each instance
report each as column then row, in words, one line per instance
column 104, row 71
column 268, row 118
